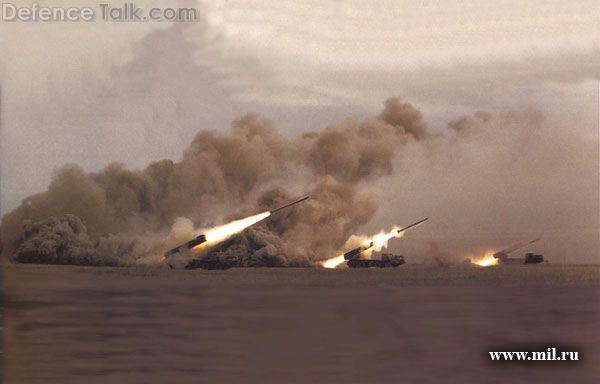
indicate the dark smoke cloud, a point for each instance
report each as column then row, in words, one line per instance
column 217, row 172
column 65, row 240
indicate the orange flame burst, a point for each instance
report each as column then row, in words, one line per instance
column 334, row 262
column 487, row 260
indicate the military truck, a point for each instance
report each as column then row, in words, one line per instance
column 530, row 258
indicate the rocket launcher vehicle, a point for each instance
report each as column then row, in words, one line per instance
column 503, row 254
column 530, row 258
column 355, row 253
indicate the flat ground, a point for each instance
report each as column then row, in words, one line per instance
column 412, row 324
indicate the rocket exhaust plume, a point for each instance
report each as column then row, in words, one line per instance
column 368, row 245
column 333, row 262
column 487, row 260
column 220, row 233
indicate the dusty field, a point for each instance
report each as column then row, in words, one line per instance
column 413, row 324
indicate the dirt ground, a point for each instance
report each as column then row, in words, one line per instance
column 412, row 324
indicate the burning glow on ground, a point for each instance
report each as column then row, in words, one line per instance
column 333, row 262
column 487, row 260
column 369, row 244
column 223, row 232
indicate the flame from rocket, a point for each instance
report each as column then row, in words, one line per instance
column 487, row 260
column 220, row 233
column 215, row 235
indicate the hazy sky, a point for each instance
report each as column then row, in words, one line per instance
column 93, row 93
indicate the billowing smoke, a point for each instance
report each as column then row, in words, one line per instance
column 119, row 216
column 312, row 230
column 486, row 181
column 65, row 240
column 492, row 180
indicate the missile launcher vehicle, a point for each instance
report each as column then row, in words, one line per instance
column 207, row 262
column 178, row 255
column 355, row 253
column 530, row 258
column 186, row 247
column 387, row 260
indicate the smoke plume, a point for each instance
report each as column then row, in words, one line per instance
column 120, row 216
column 486, row 181
column 491, row 180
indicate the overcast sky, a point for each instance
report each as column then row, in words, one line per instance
column 93, row 93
